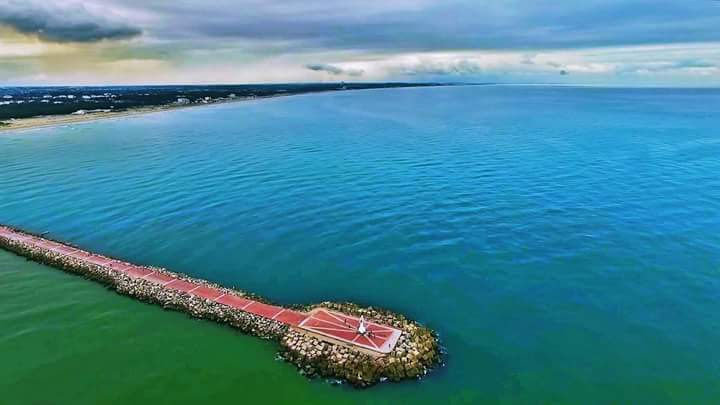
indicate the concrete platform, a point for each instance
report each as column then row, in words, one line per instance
column 343, row 328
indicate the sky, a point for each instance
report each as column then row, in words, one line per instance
column 594, row 42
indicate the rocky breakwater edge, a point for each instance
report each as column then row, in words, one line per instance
column 415, row 353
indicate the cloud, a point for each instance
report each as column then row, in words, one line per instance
column 427, row 25
column 509, row 41
column 662, row 66
column 461, row 67
column 528, row 59
column 333, row 70
column 71, row 23
column 321, row 67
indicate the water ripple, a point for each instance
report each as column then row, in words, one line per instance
column 507, row 218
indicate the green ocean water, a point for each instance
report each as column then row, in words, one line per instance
column 68, row 341
column 562, row 241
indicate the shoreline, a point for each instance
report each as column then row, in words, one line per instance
column 46, row 121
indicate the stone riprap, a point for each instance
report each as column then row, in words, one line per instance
column 322, row 340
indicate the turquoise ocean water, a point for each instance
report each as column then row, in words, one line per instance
column 564, row 242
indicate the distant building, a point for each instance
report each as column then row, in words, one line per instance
column 84, row 112
column 182, row 101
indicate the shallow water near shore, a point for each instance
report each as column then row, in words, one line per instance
column 562, row 241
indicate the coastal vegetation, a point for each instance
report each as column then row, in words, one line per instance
column 28, row 102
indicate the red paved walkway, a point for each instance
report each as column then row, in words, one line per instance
column 333, row 325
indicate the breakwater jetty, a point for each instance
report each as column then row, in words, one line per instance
column 344, row 341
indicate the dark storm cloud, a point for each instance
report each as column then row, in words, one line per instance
column 321, row 67
column 62, row 24
column 424, row 25
column 333, row 70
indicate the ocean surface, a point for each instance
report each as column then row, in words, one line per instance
column 564, row 242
